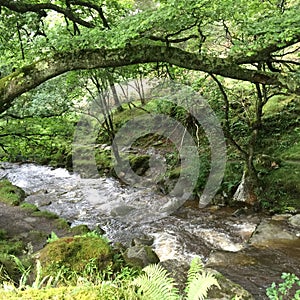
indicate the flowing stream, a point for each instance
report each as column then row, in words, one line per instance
column 220, row 237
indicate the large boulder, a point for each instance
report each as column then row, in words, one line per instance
column 270, row 231
column 140, row 256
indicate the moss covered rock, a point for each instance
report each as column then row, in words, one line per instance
column 74, row 253
column 10, row 193
column 80, row 229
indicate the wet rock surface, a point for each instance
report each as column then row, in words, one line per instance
column 295, row 221
column 140, row 256
column 269, row 231
column 19, row 224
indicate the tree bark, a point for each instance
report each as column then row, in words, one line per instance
column 33, row 75
column 247, row 189
column 115, row 95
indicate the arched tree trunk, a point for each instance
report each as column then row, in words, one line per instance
column 29, row 77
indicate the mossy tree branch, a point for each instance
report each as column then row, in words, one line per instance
column 29, row 77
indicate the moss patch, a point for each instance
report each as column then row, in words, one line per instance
column 80, row 229
column 29, row 207
column 62, row 224
column 10, row 193
column 74, row 253
column 45, row 214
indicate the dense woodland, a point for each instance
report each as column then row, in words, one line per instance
column 242, row 56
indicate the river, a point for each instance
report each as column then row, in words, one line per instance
column 223, row 240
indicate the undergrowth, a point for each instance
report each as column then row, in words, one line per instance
column 153, row 282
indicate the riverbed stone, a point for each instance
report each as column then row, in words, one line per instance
column 142, row 240
column 269, row 231
column 295, row 220
column 281, row 217
column 140, row 256
column 224, row 258
column 30, row 219
column 122, row 210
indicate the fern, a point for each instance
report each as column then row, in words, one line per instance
column 200, row 285
column 198, row 281
column 196, row 267
column 155, row 284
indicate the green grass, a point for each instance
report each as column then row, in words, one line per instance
column 279, row 141
column 282, row 188
column 29, row 207
column 276, row 104
column 293, row 152
column 105, row 291
column 45, row 214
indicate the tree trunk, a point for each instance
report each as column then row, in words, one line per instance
column 246, row 191
column 115, row 95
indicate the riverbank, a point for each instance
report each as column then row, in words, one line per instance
column 233, row 242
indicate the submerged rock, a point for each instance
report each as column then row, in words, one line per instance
column 224, row 258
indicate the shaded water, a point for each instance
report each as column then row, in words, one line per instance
column 221, row 239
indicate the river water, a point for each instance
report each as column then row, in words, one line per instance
column 220, row 237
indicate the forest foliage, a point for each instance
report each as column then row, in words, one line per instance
column 243, row 56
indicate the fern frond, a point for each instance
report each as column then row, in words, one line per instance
column 196, row 266
column 155, row 284
column 200, row 285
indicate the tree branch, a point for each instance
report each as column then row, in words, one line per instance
column 95, row 7
column 19, row 7
column 178, row 40
column 263, row 54
column 33, row 75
